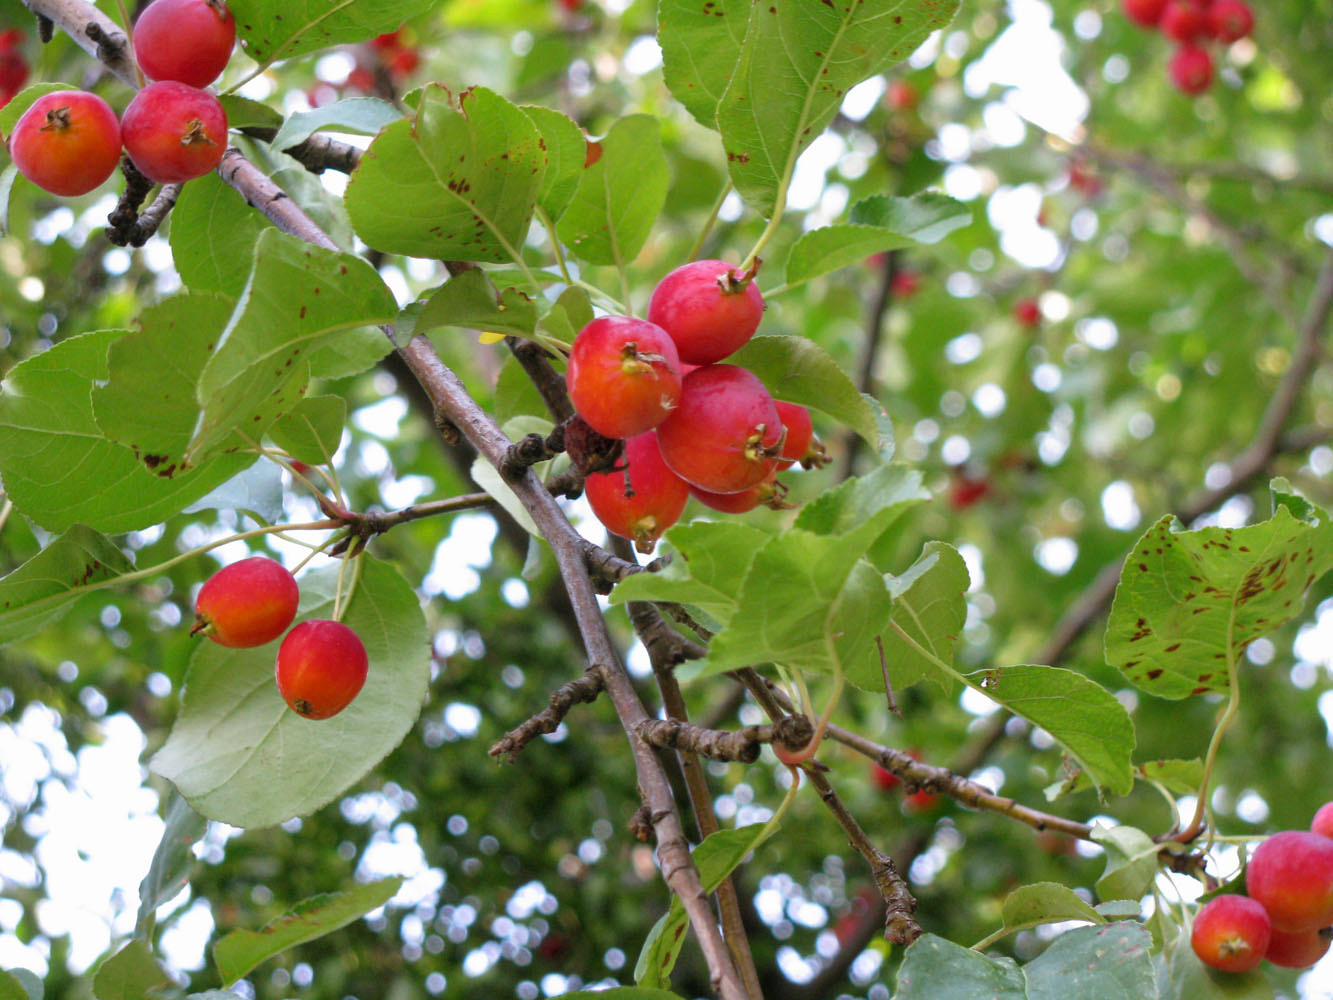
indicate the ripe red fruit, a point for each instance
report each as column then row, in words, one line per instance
column 905, row 283
column 321, row 667
column 1231, row 933
column 725, row 433
column 1084, row 179
column 800, row 445
column 1296, row 951
column 1027, row 312
column 964, row 490
column 189, row 41
column 13, row 68
column 174, row 132
column 1191, row 69
column 1230, row 20
column 1291, row 875
column 67, row 142
column 640, row 500
column 624, row 375
column 901, row 96
column 1144, row 12
column 246, row 604
column 885, row 779
column 1183, row 20
column 708, row 307
column 1323, row 820
column 769, row 493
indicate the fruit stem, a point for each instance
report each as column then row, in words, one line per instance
column 342, row 598
column 128, row 25
column 709, row 222
column 1224, row 722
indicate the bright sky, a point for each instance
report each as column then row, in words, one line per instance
column 97, row 820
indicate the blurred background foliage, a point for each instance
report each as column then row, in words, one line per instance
column 1170, row 245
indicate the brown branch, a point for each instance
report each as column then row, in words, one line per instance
column 125, row 216
column 874, row 330
column 563, row 698
column 92, row 31
column 718, row 744
column 536, row 361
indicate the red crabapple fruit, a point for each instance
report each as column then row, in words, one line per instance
column 174, row 132
column 623, row 376
column 1191, row 69
column 1230, row 20
column 189, row 41
column 641, row 499
column 246, row 604
column 1291, row 874
column 709, row 308
column 1231, row 933
column 1144, row 12
column 800, row 444
column 769, row 493
column 725, row 434
column 321, row 667
column 67, row 142
column 1323, row 820
column 1183, row 20
column 1028, row 313
column 1298, row 950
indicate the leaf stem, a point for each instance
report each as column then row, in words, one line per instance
column 709, row 222
column 549, row 226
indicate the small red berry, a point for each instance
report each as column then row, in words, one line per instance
column 640, row 500
column 725, row 434
column 1230, row 20
column 1296, row 951
column 624, row 375
column 966, row 490
column 13, row 72
column 1144, row 12
column 174, row 132
column 1027, row 312
column 1084, row 179
column 246, row 604
column 905, row 283
column 1323, row 820
column 800, row 445
column 1291, row 875
column 1231, row 933
column 885, row 779
column 189, row 41
column 1183, row 20
column 67, row 142
column 1191, row 69
column 709, row 308
column 321, row 667
column 901, row 95
column 770, row 493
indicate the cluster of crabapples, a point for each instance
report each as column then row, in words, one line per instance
column 1287, row 916
column 691, row 426
column 68, row 142
column 321, row 665
column 1191, row 24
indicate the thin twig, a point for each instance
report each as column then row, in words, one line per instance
column 563, row 698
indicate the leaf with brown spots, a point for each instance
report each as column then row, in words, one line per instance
column 40, row 592
column 1189, row 602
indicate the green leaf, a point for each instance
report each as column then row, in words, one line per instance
column 1131, row 862
column 701, row 43
column 213, row 236
column 716, row 857
column 570, row 314
column 169, row 871
column 20, row 984
column 240, row 756
column 355, row 115
column 271, row 31
column 1080, row 714
column 147, row 401
column 800, row 371
column 257, row 490
column 1180, row 776
column 60, row 469
column 454, row 182
column 1045, row 903
column 313, row 429
column 129, row 974
column 619, row 197
column 39, row 593
column 930, row 605
column 795, row 66
column 1189, row 602
column 623, row 993
column 298, row 297
column 905, row 222
column 242, row 112
column 469, row 300
column 847, row 506
column 710, row 562
column 566, row 152
column 241, row 951
column 1111, row 962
